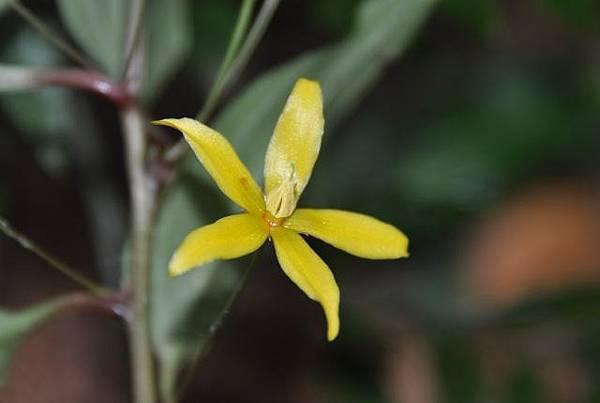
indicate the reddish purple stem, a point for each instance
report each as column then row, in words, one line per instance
column 91, row 81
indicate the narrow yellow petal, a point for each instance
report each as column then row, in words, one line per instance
column 221, row 161
column 228, row 238
column 306, row 269
column 294, row 147
column 357, row 234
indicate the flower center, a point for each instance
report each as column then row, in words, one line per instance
column 271, row 220
column 281, row 201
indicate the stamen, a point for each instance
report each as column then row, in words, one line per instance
column 281, row 201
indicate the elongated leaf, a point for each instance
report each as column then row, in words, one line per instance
column 183, row 308
column 14, row 325
column 345, row 71
column 99, row 28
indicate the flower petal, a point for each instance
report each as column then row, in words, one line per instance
column 228, row 238
column 294, row 147
column 221, row 161
column 306, row 269
column 357, row 234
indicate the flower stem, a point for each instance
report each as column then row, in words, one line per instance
column 49, row 33
column 232, row 50
column 53, row 261
column 134, row 34
column 253, row 39
column 236, row 59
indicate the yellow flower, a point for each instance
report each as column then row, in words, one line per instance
column 290, row 158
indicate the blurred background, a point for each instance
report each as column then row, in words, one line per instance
column 480, row 142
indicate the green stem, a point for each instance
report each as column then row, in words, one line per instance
column 53, row 261
column 232, row 50
column 49, row 33
column 142, row 190
column 254, row 37
column 142, row 208
column 134, row 34
column 236, row 58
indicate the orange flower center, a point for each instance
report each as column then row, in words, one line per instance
column 271, row 220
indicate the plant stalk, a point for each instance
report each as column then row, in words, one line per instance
column 49, row 33
column 232, row 51
column 96, row 289
column 236, row 58
column 143, row 191
column 254, row 37
column 138, row 8
column 142, row 211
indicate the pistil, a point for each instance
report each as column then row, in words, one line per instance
column 271, row 220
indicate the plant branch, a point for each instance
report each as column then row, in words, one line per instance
column 19, row 78
column 52, row 260
column 134, row 34
column 232, row 51
column 143, row 202
column 87, row 80
column 113, row 305
column 235, row 61
column 142, row 207
column 49, row 33
column 255, row 35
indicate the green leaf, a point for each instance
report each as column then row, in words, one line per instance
column 99, row 28
column 184, row 308
column 168, row 42
column 14, row 325
column 346, row 71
